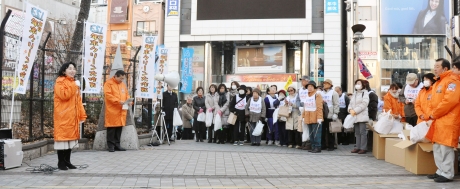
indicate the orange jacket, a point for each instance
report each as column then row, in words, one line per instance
column 421, row 104
column 444, row 108
column 68, row 110
column 393, row 104
column 114, row 93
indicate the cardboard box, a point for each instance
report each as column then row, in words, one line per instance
column 378, row 145
column 393, row 154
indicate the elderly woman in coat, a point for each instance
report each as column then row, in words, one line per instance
column 358, row 107
column 211, row 98
column 294, row 136
column 221, row 105
column 187, row 118
column 313, row 116
column 255, row 109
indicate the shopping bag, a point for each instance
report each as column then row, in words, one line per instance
column 283, row 111
column 209, row 116
column 397, row 127
column 231, row 118
column 217, row 122
column 201, row 117
column 418, row 133
column 299, row 124
column 385, row 123
column 349, row 121
column 275, row 115
column 258, row 130
column 335, row 126
column 305, row 133
column 177, row 120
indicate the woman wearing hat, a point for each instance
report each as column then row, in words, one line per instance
column 358, row 107
column 294, row 136
column 313, row 116
column 255, row 109
column 238, row 107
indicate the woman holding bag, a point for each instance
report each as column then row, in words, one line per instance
column 187, row 119
column 358, row 107
column 211, row 97
column 237, row 106
column 255, row 109
column 294, row 136
column 221, row 105
column 199, row 107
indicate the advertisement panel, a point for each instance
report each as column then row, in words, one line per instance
column 420, row 17
column 118, row 11
column 261, row 59
column 172, row 8
column 320, row 62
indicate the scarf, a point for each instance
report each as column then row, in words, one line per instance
column 222, row 99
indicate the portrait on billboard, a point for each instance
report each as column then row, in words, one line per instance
column 421, row 17
column 261, row 59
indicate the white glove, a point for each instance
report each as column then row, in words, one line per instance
column 77, row 82
column 266, row 119
column 320, row 121
column 334, row 117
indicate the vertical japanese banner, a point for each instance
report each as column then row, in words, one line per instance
column 95, row 39
column 34, row 23
column 187, row 70
column 161, row 67
column 146, row 74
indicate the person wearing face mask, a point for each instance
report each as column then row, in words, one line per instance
column 294, row 136
column 222, row 103
column 313, row 116
column 238, row 107
column 233, row 91
column 255, row 110
column 199, row 105
column 271, row 103
column 444, row 110
column 187, row 118
column 391, row 102
column 282, row 120
column 211, row 97
column 358, row 107
column 424, row 97
column 408, row 95
column 248, row 134
column 68, row 114
column 332, row 99
column 301, row 97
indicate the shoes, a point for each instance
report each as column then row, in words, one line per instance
column 433, row 176
column 362, row 152
column 214, row 141
column 67, row 163
column 317, row 150
column 258, row 144
column 201, row 140
column 290, row 146
column 270, row 142
column 61, row 160
column 307, row 147
column 323, row 148
column 119, row 148
column 248, row 141
column 111, row 150
column 298, row 147
column 355, row 151
column 442, row 179
column 235, row 143
column 209, row 141
column 197, row 140
column 283, row 145
column 277, row 143
column 253, row 144
column 330, row 149
column 241, row 143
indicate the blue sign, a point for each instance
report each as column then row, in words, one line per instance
column 172, row 8
column 186, row 70
column 332, row 6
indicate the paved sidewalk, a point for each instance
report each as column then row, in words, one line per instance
column 188, row 164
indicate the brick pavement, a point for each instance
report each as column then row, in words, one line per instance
column 187, row 164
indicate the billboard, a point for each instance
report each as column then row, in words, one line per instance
column 261, row 59
column 414, row 17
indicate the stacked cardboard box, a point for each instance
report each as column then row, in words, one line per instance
column 378, row 144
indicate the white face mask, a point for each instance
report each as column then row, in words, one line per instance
column 241, row 92
column 233, row 87
column 399, row 90
column 280, row 96
column 358, row 87
column 426, row 83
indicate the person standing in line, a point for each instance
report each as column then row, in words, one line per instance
column 255, row 110
column 211, row 97
column 358, row 107
column 332, row 99
column 233, row 91
column 199, row 107
column 283, row 140
column 187, row 118
column 313, row 116
column 344, row 101
column 221, row 104
column 68, row 114
column 408, row 95
column 294, row 136
column 271, row 103
column 444, row 110
column 247, row 129
column 169, row 103
column 238, row 107
column 115, row 95
column 301, row 97
column 424, row 97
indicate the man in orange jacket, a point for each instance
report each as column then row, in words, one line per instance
column 115, row 95
column 444, row 111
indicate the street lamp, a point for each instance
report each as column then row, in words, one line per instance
column 358, row 30
column 317, row 47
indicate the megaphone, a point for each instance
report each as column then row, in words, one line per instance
column 172, row 78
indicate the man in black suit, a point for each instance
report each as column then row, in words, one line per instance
column 169, row 103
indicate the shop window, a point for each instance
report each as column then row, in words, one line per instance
column 364, row 13
column 146, row 27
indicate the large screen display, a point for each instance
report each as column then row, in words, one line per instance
column 261, row 59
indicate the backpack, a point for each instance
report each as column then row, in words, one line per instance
column 325, row 109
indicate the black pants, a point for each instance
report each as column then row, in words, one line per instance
column 248, row 134
column 169, row 127
column 238, row 130
column 412, row 120
column 187, row 134
column 200, row 130
column 327, row 138
column 113, row 136
column 283, row 136
column 221, row 135
column 229, row 132
column 294, row 137
column 211, row 133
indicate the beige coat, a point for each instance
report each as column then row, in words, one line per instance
column 293, row 119
column 187, row 115
column 255, row 117
column 312, row 117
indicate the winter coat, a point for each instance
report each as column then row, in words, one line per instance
column 255, row 117
column 197, row 104
column 422, row 104
column 224, row 108
column 210, row 102
column 445, row 110
column 359, row 102
column 334, row 109
column 409, row 109
column 68, row 110
column 114, row 93
column 293, row 119
column 393, row 104
column 373, row 105
column 344, row 111
column 312, row 117
column 240, row 114
column 187, row 115
column 269, row 112
column 169, row 103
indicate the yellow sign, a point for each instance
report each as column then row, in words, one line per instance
column 288, row 83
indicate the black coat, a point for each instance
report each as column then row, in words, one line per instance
column 240, row 114
column 437, row 25
column 372, row 107
column 197, row 104
column 169, row 103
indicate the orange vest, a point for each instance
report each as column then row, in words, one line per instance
column 114, row 93
column 68, row 110
column 421, row 104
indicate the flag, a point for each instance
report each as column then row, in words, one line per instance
column 363, row 69
column 288, row 83
column 94, row 56
column 187, row 70
column 145, row 81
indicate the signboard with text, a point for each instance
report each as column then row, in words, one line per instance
column 172, row 8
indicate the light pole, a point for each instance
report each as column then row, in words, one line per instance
column 358, row 30
column 317, row 47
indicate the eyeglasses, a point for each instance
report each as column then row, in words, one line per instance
column 291, row 91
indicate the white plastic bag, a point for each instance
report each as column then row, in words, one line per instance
column 385, row 123
column 217, row 122
column 258, row 130
column 397, row 127
column 275, row 115
column 201, row 117
column 349, row 121
column 177, row 120
column 418, row 133
column 209, row 116
column 305, row 133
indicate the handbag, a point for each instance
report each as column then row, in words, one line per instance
column 283, row 111
column 258, row 130
column 177, row 121
column 335, row 126
column 231, row 119
column 201, row 117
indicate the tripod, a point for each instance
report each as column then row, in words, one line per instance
column 159, row 120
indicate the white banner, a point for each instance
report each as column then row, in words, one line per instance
column 34, row 24
column 161, row 67
column 95, row 39
column 146, row 74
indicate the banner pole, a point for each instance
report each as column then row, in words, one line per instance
column 82, row 95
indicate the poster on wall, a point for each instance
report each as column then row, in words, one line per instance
column 421, row 17
column 172, row 8
column 320, row 62
column 261, row 59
